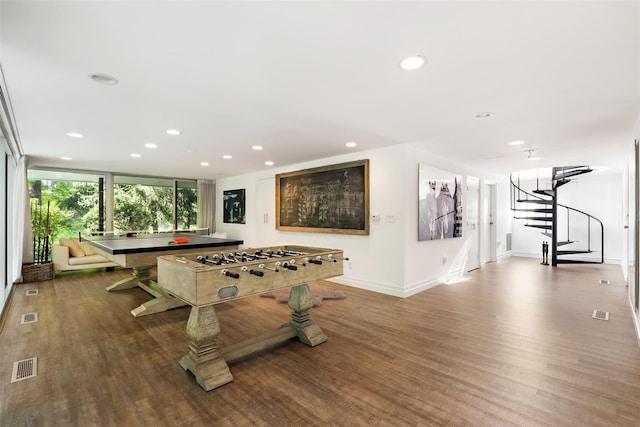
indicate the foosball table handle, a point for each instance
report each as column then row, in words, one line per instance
column 228, row 273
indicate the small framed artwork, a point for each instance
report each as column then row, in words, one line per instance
column 234, row 206
column 439, row 204
column 328, row 199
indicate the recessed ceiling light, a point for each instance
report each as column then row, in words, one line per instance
column 150, row 145
column 268, row 163
column 66, row 158
column 173, row 132
column 136, row 155
column 350, row 144
column 104, row 79
column 535, row 158
column 204, row 163
column 257, row 147
column 75, row 135
column 412, row 62
column 227, row 156
column 516, row 143
column 484, row 115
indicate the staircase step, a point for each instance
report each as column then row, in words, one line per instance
column 573, row 171
column 549, row 235
column 568, row 242
column 573, row 252
column 536, row 210
column 543, row 226
column 549, row 193
column 536, row 201
column 534, row 218
column 575, row 261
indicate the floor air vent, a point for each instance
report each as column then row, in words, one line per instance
column 605, row 282
column 24, row 369
column 29, row 318
column 600, row 315
column 31, row 292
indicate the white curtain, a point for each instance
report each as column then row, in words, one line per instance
column 207, row 205
column 21, row 235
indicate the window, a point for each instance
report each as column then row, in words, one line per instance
column 142, row 204
column 75, row 203
column 186, row 205
column 62, row 205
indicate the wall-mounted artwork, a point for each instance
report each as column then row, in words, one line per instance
column 234, row 206
column 439, row 204
column 328, row 199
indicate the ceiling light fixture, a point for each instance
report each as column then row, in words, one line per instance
column 257, row 147
column 204, row 163
column 136, row 155
column 150, row 145
column 516, row 143
column 412, row 62
column 104, row 79
column 227, row 157
column 66, row 158
column 268, row 163
column 75, row 135
column 530, row 155
column 173, row 132
column 350, row 144
column 484, row 115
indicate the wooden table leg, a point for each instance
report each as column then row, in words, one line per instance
column 301, row 301
column 139, row 275
column 203, row 359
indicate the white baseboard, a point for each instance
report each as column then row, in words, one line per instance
column 613, row 261
column 504, row 255
column 636, row 319
column 395, row 291
column 367, row 285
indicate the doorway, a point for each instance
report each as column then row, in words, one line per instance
column 488, row 224
column 473, row 215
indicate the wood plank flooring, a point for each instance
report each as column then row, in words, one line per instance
column 512, row 345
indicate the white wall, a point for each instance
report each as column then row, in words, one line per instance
column 504, row 220
column 390, row 260
column 375, row 260
column 630, row 213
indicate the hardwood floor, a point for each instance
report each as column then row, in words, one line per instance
column 513, row 344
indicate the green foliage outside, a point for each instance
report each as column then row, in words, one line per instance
column 73, row 208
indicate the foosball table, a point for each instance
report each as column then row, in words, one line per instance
column 204, row 280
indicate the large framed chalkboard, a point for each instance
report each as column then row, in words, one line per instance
column 328, row 199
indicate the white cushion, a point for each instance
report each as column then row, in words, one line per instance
column 88, row 259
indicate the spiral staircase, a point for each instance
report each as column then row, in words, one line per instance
column 574, row 234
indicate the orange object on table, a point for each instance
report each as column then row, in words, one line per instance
column 181, row 240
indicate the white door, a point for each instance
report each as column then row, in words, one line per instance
column 266, row 212
column 473, row 210
column 488, row 227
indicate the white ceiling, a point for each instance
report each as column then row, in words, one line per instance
column 303, row 78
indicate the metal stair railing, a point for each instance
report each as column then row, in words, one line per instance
column 517, row 189
column 589, row 220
